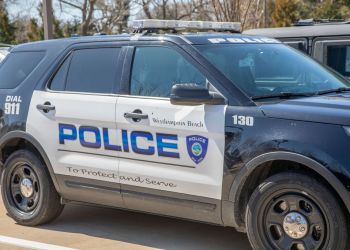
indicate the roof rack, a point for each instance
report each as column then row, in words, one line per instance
column 154, row 26
column 312, row 21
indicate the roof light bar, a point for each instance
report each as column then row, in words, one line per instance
column 176, row 24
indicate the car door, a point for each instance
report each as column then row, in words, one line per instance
column 168, row 150
column 74, row 121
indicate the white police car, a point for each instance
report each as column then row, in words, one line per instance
column 216, row 127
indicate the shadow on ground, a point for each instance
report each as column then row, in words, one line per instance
column 147, row 230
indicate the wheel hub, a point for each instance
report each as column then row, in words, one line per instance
column 295, row 225
column 26, row 187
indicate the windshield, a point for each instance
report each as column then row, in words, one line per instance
column 270, row 69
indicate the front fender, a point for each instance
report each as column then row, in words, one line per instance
column 250, row 166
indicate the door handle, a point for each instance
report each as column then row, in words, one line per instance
column 46, row 107
column 136, row 116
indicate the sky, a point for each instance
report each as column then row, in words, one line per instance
column 62, row 12
column 29, row 8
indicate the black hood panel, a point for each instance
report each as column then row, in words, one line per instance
column 332, row 109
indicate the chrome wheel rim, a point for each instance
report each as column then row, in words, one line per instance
column 294, row 222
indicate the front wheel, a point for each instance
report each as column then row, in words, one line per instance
column 27, row 190
column 295, row 212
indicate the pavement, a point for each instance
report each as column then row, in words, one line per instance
column 83, row 227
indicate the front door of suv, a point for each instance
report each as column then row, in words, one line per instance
column 79, row 133
column 172, row 155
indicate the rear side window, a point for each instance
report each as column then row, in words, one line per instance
column 17, row 67
column 88, row 70
column 338, row 58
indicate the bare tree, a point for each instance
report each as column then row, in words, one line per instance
column 86, row 7
column 227, row 10
column 173, row 9
column 113, row 15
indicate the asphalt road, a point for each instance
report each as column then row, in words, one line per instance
column 82, row 227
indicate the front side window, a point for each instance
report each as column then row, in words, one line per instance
column 17, row 67
column 88, row 70
column 156, row 69
column 338, row 58
column 269, row 69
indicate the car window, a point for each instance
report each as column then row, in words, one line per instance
column 88, row 70
column 265, row 69
column 299, row 45
column 156, row 69
column 17, row 66
column 338, row 58
column 58, row 83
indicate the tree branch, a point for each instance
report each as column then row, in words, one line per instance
column 71, row 4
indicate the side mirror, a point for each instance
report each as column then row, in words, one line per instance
column 193, row 94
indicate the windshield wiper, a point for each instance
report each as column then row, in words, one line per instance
column 282, row 95
column 329, row 91
column 286, row 95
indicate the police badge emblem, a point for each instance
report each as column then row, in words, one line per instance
column 197, row 147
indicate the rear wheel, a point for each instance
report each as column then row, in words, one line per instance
column 27, row 190
column 295, row 212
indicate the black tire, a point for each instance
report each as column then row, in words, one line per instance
column 33, row 206
column 273, row 218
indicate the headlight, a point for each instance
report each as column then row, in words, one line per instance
column 347, row 130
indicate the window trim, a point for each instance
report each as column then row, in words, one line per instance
column 120, row 61
column 131, row 55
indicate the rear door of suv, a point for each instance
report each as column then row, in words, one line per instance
column 172, row 157
column 74, row 121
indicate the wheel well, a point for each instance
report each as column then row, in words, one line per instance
column 16, row 144
column 22, row 140
column 267, row 169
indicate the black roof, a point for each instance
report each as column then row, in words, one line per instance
column 181, row 39
column 303, row 31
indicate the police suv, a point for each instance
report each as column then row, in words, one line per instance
column 217, row 127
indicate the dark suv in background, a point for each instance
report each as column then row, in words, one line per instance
column 328, row 41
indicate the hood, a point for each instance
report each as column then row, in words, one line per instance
column 332, row 109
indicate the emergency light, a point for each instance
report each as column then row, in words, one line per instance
column 176, row 24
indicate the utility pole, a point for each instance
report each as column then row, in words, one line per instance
column 47, row 14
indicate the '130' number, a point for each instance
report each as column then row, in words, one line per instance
column 243, row 120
